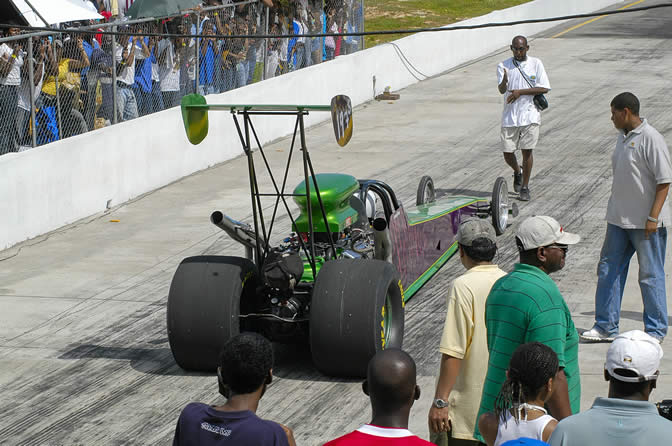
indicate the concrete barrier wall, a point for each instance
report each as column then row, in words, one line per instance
column 46, row 188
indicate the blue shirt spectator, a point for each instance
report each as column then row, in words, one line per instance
column 207, row 71
column 143, row 70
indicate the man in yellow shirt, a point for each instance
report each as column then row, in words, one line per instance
column 464, row 347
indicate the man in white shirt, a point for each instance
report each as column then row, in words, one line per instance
column 126, row 52
column 11, row 61
column 637, row 216
column 521, row 77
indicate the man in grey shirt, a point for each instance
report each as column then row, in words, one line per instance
column 637, row 216
column 626, row 417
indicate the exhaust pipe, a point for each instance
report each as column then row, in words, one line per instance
column 382, row 241
column 235, row 230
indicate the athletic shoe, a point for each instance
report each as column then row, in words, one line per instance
column 525, row 193
column 596, row 335
column 517, row 181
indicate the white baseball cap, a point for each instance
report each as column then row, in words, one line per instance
column 635, row 351
column 541, row 230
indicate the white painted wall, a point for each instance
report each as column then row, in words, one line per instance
column 46, row 188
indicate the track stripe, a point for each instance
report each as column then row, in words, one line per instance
column 594, row 19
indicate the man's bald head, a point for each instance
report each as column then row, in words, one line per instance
column 391, row 381
column 522, row 40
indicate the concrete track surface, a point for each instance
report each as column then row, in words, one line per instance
column 84, row 357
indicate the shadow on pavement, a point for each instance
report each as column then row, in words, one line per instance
column 292, row 362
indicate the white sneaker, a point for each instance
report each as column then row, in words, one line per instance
column 596, row 335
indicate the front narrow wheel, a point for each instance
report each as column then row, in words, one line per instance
column 499, row 206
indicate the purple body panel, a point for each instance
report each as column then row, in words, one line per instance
column 420, row 245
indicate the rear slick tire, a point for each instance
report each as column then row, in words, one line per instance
column 356, row 310
column 204, row 305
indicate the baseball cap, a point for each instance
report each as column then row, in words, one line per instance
column 473, row 228
column 541, row 230
column 635, row 351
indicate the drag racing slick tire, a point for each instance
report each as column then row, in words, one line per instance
column 204, row 303
column 356, row 310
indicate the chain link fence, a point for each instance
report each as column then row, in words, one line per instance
column 55, row 85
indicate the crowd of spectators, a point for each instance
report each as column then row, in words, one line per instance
column 79, row 77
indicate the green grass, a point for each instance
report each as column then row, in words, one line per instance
column 404, row 14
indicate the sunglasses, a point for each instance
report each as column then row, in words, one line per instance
column 520, row 48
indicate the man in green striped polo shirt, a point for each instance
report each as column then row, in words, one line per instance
column 526, row 306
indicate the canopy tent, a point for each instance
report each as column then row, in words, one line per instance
column 37, row 12
column 159, row 8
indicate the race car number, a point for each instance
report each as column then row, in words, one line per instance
column 341, row 117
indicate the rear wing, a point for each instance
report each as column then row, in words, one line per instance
column 195, row 115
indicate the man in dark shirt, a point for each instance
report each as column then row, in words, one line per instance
column 245, row 370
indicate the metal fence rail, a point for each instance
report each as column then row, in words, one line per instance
column 58, row 84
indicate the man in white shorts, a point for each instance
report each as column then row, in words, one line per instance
column 521, row 77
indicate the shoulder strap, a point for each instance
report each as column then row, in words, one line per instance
column 523, row 74
column 545, row 419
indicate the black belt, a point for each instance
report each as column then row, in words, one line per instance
column 121, row 84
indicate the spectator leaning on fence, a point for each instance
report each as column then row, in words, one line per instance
column 209, row 52
column 464, row 347
column 625, row 417
column 142, row 85
column 169, row 70
column 89, row 82
column 28, row 93
column 127, row 105
column 526, row 306
column 157, row 97
column 332, row 28
column 11, row 61
column 315, row 43
column 64, row 79
column 101, row 68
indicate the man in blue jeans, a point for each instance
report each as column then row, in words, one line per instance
column 637, row 216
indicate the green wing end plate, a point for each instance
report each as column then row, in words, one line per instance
column 341, row 117
column 195, row 119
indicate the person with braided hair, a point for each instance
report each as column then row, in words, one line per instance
column 519, row 406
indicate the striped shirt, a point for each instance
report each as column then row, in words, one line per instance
column 526, row 306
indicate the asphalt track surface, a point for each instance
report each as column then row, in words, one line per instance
column 84, row 357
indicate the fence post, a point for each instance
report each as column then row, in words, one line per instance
column 197, row 68
column 114, row 75
column 266, row 28
column 31, row 84
column 324, row 30
column 59, row 121
column 362, row 42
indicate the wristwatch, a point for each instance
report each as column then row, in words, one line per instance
column 440, row 404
